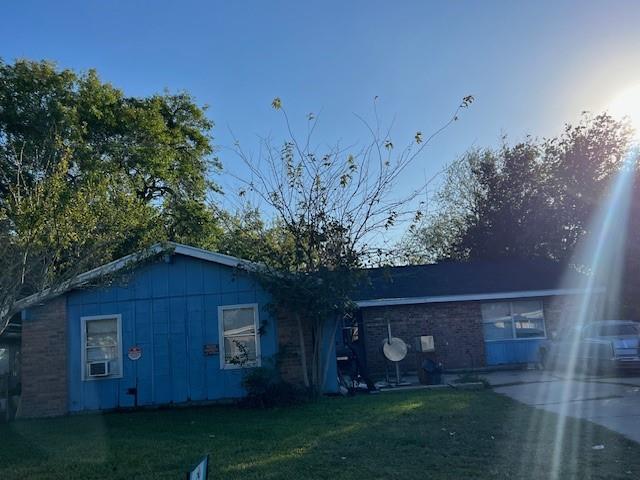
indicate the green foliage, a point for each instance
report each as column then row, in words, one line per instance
column 536, row 198
column 330, row 204
column 245, row 234
column 88, row 174
column 266, row 389
column 532, row 199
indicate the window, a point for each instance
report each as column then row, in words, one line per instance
column 513, row 320
column 614, row 330
column 102, row 347
column 239, row 337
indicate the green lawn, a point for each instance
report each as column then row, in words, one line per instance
column 419, row 434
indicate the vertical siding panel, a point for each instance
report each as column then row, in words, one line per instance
column 214, row 379
column 211, row 280
column 194, row 278
column 512, row 351
column 125, row 290
column 176, row 276
column 227, row 280
column 229, row 298
column 160, row 280
column 142, row 283
column 91, row 395
column 196, row 342
column 105, row 295
column 178, row 350
column 161, row 358
column 246, row 296
column 144, row 339
column 128, row 311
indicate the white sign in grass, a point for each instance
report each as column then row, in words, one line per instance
column 201, row 472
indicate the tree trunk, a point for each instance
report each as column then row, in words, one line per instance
column 303, row 352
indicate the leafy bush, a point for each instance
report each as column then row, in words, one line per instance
column 266, row 389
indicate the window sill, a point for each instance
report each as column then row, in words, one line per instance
column 241, row 367
column 106, row 377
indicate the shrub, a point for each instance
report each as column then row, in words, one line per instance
column 266, row 389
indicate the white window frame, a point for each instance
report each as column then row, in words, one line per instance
column 83, row 339
column 514, row 338
column 256, row 319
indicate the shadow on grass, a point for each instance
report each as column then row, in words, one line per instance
column 444, row 434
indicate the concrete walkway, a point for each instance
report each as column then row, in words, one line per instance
column 613, row 402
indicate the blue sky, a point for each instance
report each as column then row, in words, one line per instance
column 531, row 66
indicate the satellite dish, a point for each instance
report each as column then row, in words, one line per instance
column 394, row 349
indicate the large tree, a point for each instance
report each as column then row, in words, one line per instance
column 537, row 198
column 88, row 174
column 534, row 198
column 332, row 206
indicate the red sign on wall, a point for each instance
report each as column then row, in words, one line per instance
column 134, row 353
column 211, row 349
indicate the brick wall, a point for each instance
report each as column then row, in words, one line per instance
column 559, row 311
column 456, row 328
column 289, row 362
column 44, row 360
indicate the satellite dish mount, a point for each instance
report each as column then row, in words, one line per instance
column 395, row 350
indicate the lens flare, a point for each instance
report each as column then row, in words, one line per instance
column 627, row 105
column 602, row 258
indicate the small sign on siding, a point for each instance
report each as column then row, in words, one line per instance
column 134, row 353
column 211, row 349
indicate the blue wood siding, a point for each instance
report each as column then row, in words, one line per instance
column 504, row 352
column 170, row 310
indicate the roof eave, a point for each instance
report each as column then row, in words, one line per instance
column 119, row 264
column 386, row 302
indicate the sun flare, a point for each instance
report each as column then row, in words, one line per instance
column 627, row 104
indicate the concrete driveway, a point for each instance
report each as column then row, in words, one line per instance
column 612, row 402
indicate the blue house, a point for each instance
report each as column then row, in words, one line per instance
column 178, row 324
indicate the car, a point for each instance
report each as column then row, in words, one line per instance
column 602, row 346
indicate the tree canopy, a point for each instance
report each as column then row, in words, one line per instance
column 331, row 204
column 532, row 199
column 88, row 174
column 536, row 198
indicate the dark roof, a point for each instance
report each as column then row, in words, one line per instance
column 466, row 278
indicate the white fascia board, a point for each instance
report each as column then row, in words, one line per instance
column 119, row 264
column 214, row 257
column 86, row 277
column 385, row 302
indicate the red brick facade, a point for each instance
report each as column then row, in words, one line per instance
column 456, row 329
column 289, row 352
column 560, row 309
column 44, row 360
column 455, row 326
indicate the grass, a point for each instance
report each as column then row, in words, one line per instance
column 404, row 435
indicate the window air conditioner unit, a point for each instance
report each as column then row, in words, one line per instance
column 99, row 369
